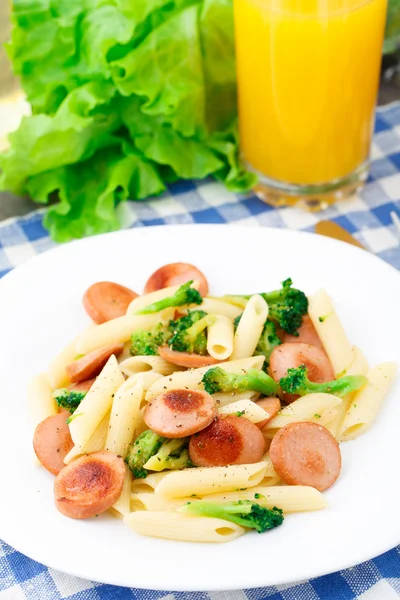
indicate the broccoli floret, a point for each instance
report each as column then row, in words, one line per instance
column 267, row 342
column 194, row 338
column 237, row 321
column 68, row 399
column 144, row 447
column 172, row 454
column 146, row 343
column 186, row 321
column 184, row 295
column 296, row 382
column 242, row 512
column 287, row 306
column 216, row 380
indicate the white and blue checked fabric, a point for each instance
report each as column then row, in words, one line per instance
column 368, row 218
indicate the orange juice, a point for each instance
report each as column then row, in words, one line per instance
column 308, row 75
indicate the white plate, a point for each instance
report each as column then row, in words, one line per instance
column 40, row 311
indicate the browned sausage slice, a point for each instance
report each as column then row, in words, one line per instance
column 306, row 454
column 307, row 335
column 91, row 364
column 52, row 442
column 229, row 440
column 176, row 274
column 179, row 413
column 89, row 485
column 271, row 406
column 185, row 359
column 106, row 300
column 288, row 356
column 82, row 386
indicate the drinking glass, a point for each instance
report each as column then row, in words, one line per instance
column 308, row 76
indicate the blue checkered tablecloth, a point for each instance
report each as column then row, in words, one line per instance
column 368, row 218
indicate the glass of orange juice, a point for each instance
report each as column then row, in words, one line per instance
column 308, row 76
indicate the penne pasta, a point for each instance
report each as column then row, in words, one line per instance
column 95, row 443
column 123, row 504
column 148, row 484
column 40, row 399
column 246, row 408
column 124, row 416
column 192, row 378
column 359, row 366
column 224, row 399
column 57, row 373
column 187, row 528
column 142, row 364
column 114, row 332
column 149, row 501
column 220, row 338
column 250, row 327
column 271, row 477
column 331, row 332
column 289, row 498
column 213, row 306
column 96, row 403
column 208, row 480
column 366, row 402
column 319, row 408
column 147, row 299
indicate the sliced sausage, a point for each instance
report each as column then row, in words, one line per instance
column 307, row 335
column 89, row 485
column 271, row 406
column 288, row 356
column 185, row 359
column 176, row 274
column 179, row 413
column 229, row 440
column 82, row 386
column 91, row 364
column 106, row 300
column 306, row 454
column 52, row 441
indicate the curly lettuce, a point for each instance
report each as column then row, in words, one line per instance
column 126, row 96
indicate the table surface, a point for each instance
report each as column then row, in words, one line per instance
column 368, row 217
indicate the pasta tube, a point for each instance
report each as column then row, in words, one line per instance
column 187, row 528
column 367, row 402
column 250, row 328
column 331, row 331
column 220, row 338
column 96, row 403
column 206, row 480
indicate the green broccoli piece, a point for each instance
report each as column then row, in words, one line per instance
column 296, row 382
column 287, row 306
column 68, row 399
column 172, row 454
column 237, row 321
column 146, row 343
column 216, row 380
column 186, row 321
column 194, row 338
column 144, row 447
column 184, row 295
column 242, row 512
column 267, row 342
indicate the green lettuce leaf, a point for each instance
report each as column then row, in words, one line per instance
column 127, row 96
